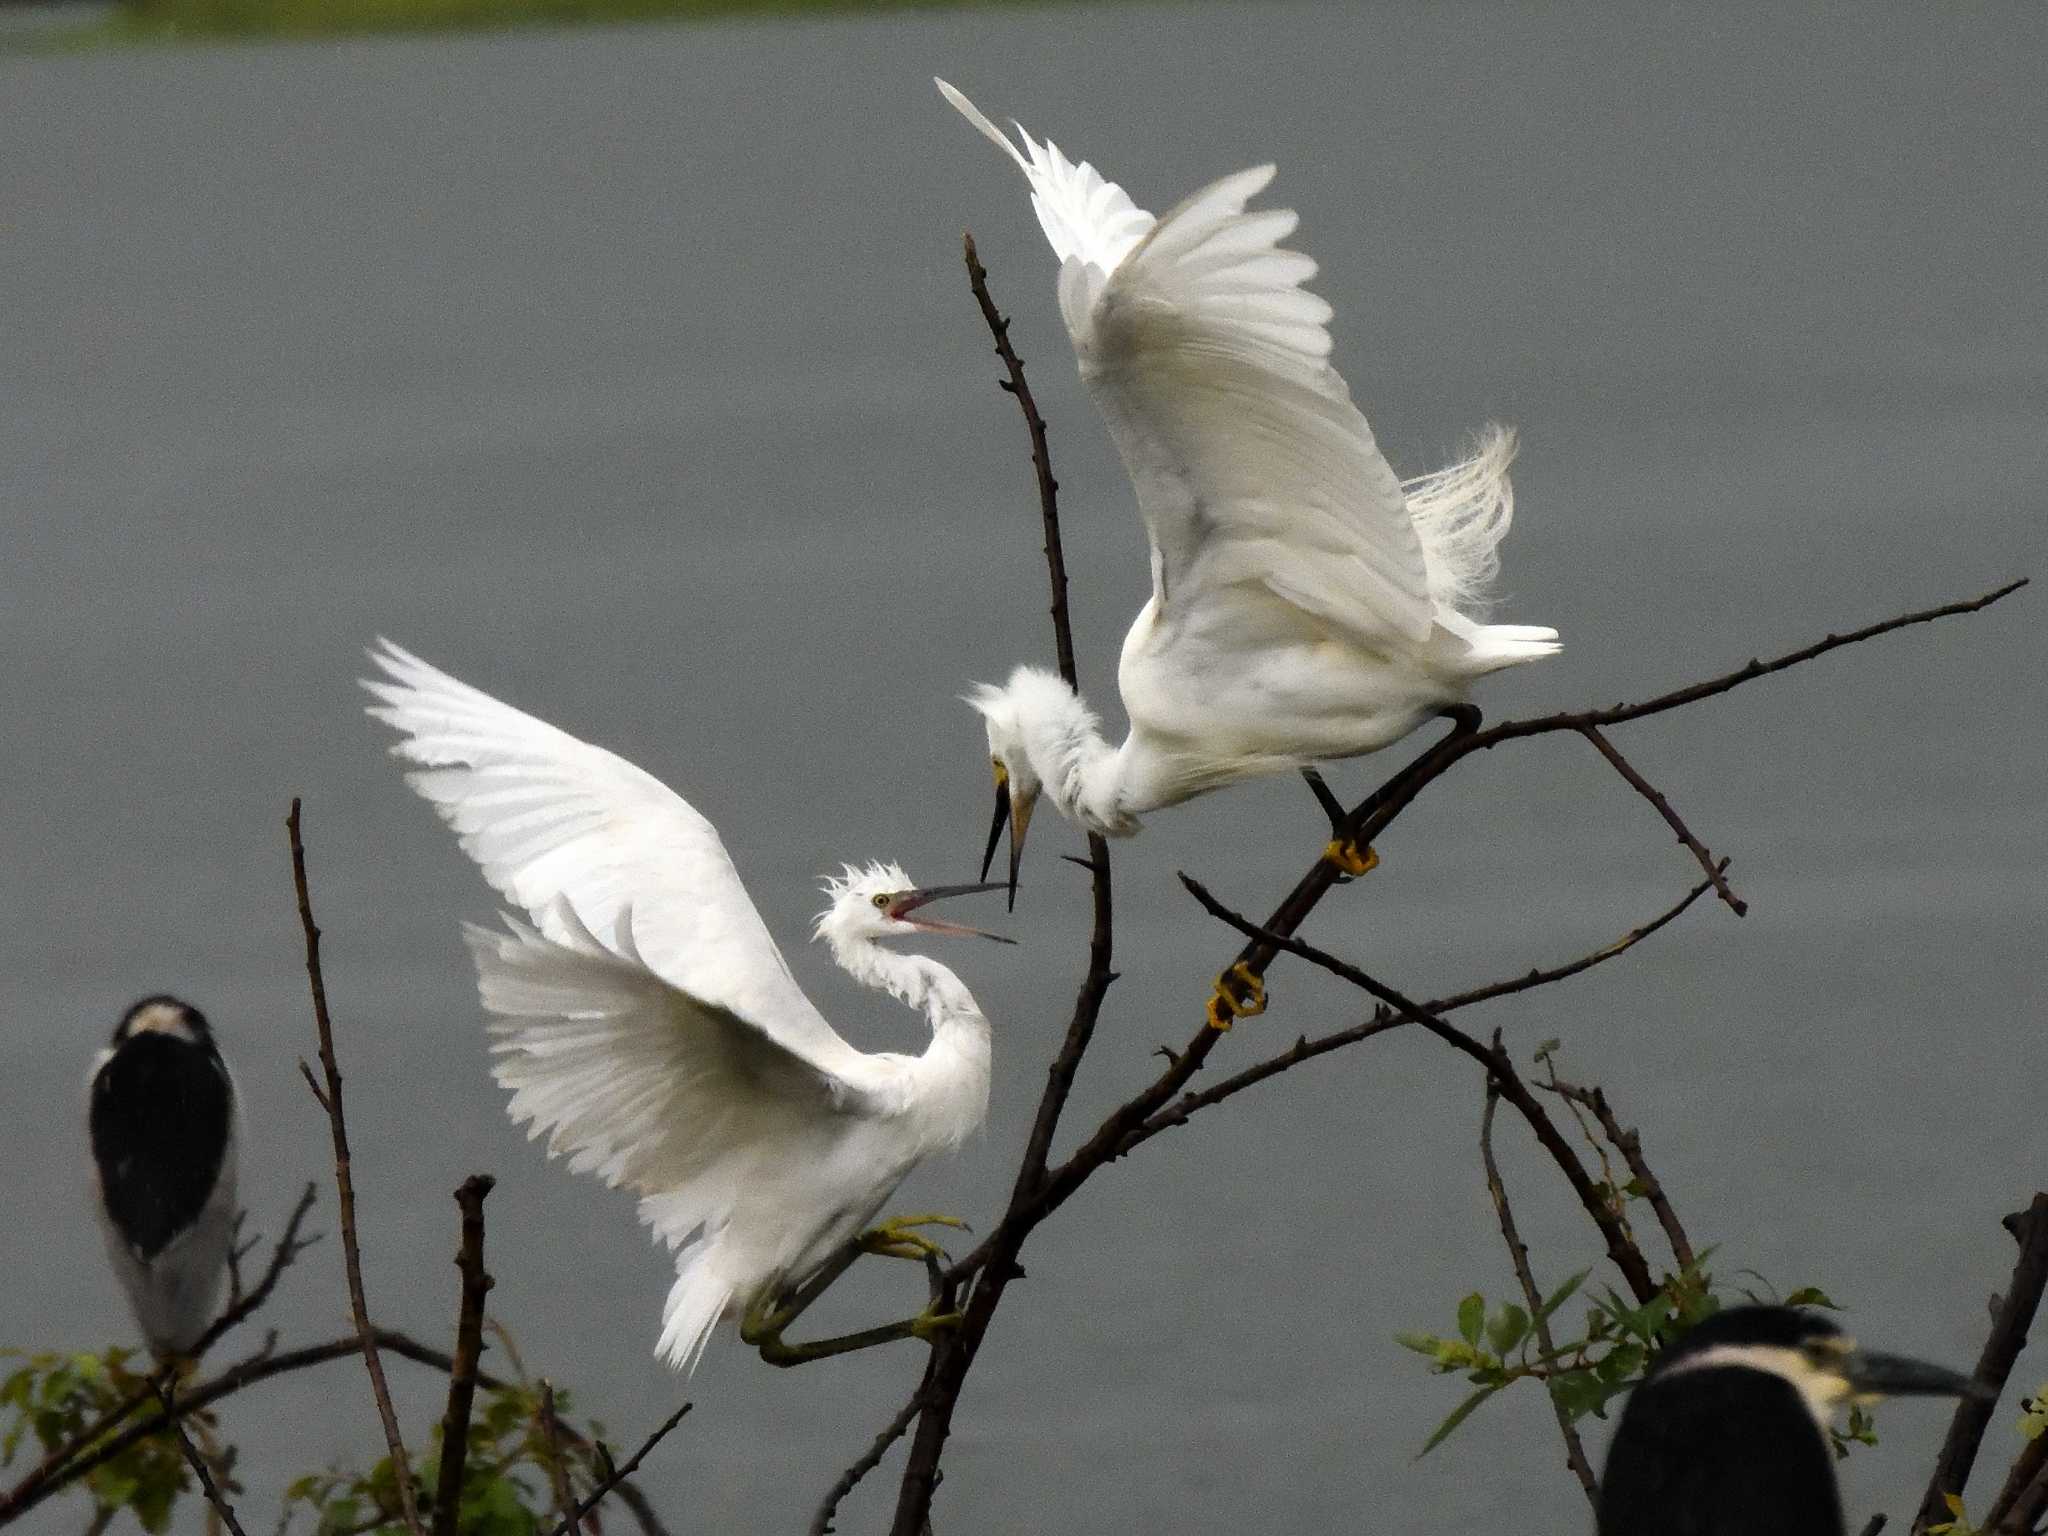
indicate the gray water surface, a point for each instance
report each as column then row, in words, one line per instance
column 631, row 375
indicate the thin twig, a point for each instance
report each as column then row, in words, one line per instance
column 1627, row 1257
column 821, row 1523
column 1872, row 1526
column 1041, row 459
column 401, row 1464
column 1662, row 806
column 1629, row 1143
column 197, row 1463
column 469, row 1344
column 953, row 1355
column 2011, row 1320
column 620, row 1474
column 1518, row 1255
column 558, row 1468
column 1384, row 1019
column 25, row 1494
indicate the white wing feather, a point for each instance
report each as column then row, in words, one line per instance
column 1210, row 365
column 587, row 844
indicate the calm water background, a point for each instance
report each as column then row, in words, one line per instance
column 632, row 376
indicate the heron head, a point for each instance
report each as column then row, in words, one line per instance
column 1811, row 1355
column 1017, row 782
column 881, row 902
column 167, row 1016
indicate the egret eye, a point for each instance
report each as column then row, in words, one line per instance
column 882, row 899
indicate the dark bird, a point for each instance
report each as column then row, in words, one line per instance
column 161, row 1111
column 1728, row 1431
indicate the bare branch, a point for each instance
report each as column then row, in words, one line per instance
column 620, row 1474
column 558, row 1469
column 1518, row 1254
column 1643, row 787
column 821, row 1523
column 469, row 1344
column 1630, row 1145
column 1620, row 1247
column 1384, row 1019
column 2011, row 1319
column 953, row 1355
column 1041, row 459
column 197, row 1463
column 401, row 1465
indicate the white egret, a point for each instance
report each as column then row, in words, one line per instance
column 1727, row 1434
column 161, row 1113
column 647, row 1023
column 1305, row 604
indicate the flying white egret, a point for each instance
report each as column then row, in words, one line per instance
column 646, row 1022
column 1726, row 1435
column 1305, row 603
column 161, row 1112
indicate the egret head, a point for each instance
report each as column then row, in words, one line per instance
column 1810, row 1354
column 1017, row 782
column 880, row 902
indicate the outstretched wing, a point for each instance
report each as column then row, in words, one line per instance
column 1210, row 364
column 634, row 1079
column 587, row 844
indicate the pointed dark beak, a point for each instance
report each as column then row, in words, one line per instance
column 1002, row 819
column 1013, row 810
column 908, row 902
column 1896, row 1376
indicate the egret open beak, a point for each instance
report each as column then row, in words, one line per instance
column 1015, row 811
column 907, row 902
column 1873, row 1375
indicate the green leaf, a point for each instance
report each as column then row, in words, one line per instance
column 1472, row 1318
column 1811, row 1296
column 1421, row 1343
column 1507, row 1329
column 1561, row 1295
column 1458, row 1416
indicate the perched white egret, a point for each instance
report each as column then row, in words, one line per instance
column 161, row 1112
column 1726, row 1435
column 1305, row 603
column 646, row 1022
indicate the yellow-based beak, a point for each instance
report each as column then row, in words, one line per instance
column 1014, row 811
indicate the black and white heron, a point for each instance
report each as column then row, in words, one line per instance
column 161, row 1111
column 1727, row 1435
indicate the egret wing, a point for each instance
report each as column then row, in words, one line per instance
column 1210, row 364
column 1090, row 222
column 634, row 1079
column 584, row 841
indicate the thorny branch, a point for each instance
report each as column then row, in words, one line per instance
column 1518, row 1254
column 330, row 1100
column 469, row 1343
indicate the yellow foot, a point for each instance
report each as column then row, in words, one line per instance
column 1226, row 1007
column 928, row 1325
column 894, row 1238
column 1343, row 853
